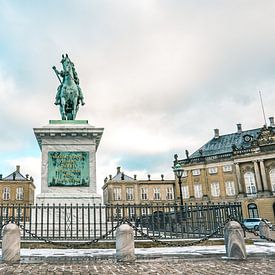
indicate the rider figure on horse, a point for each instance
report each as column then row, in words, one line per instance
column 76, row 80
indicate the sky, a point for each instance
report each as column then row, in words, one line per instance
column 158, row 75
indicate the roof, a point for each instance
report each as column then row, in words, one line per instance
column 119, row 177
column 223, row 144
column 15, row 176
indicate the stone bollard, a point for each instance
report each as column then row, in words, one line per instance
column 234, row 241
column 264, row 230
column 125, row 245
column 11, row 243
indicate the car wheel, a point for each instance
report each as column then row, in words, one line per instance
column 256, row 227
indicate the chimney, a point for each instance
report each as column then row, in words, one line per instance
column 135, row 177
column 18, row 168
column 216, row 133
column 239, row 127
column 118, row 170
column 271, row 120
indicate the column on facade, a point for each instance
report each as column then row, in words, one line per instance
column 258, row 176
column 263, row 173
column 238, row 173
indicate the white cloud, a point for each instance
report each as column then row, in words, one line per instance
column 159, row 76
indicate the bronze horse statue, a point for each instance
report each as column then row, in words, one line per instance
column 69, row 94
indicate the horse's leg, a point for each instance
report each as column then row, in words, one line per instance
column 62, row 108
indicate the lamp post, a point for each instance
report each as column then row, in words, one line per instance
column 179, row 172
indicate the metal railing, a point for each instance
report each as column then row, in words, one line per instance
column 86, row 222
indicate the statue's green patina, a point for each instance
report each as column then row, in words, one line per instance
column 69, row 94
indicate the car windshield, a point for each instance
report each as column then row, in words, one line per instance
column 252, row 220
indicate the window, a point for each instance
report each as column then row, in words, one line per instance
column 198, row 191
column 227, row 168
column 129, row 193
column 184, row 174
column 19, row 193
column 131, row 212
column 230, row 188
column 213, row 170
column 117, row 193
column 157, row 193
column 6, row 193
column 250, row 183
column 169, row 193
column 272, row 179
column 215, row 189
column 185, row 192
column 196, row 172
column 144, row 211
column 144, row 193
column 252, row 210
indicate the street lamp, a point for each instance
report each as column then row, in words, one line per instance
column 179, row 172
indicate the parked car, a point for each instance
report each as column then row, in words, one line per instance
column 253, row 223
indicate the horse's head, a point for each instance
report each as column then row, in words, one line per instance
column 66, row 63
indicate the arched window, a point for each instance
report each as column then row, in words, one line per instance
column 250, row 183
column 272, row 179
column 252, row 210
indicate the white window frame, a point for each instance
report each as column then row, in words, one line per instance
column 157, row 195
column 170, row 193
column 227, row 168
column 184, row 174
column 117, row 193
column 230, row 188
column 129, row 193
column 198, row 191
column 144, row 193
column 6, row 193
column 20, row 193
column 215, row 189
column 250, row 183
column 185, row 191
column 131, row 212
column 213, row 170
column 196, row 172
column 272, row 179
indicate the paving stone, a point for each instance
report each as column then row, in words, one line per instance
column 153, row 267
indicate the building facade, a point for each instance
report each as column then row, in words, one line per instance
column 125, row 190
column 16, row 190
column 235, row 167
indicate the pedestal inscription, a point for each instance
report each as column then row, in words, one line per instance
column 68, row 169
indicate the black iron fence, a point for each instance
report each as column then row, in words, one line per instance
column 86, row 222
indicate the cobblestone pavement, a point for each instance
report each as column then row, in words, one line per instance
column 158, row 266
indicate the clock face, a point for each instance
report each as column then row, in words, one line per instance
column 247, row 138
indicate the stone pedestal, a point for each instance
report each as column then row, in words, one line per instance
column 11, row 243
column 264, row 230
column 234, row 241
column 125, row 244
column 68, row 170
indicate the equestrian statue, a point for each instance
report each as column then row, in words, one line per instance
column 69, row 94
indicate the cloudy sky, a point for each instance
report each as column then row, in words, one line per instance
column 158, row 75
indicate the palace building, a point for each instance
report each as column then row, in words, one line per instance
column 125, row 190
column 16, row 189
column 239, row 166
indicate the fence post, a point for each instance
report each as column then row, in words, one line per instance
column 11, row 243
column 125, row 245
column 234, row 241
column 264, row 230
